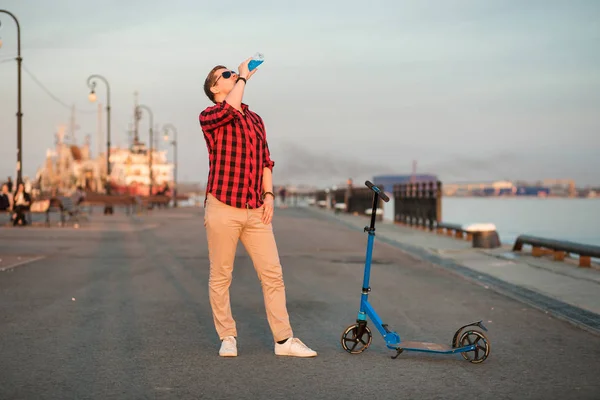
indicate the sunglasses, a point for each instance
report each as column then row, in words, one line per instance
column 225, row 75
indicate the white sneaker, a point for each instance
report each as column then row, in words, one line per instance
column 228, row 347
column 295, row 348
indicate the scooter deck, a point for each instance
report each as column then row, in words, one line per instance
column 425, row 346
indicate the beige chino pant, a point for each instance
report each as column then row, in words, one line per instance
column 225, row 225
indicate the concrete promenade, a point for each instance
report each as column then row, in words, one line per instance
column 118, row 309
column 560, row 288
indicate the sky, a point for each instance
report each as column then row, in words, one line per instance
column 472, row 90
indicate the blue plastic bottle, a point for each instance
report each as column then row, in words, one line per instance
column 257, row 59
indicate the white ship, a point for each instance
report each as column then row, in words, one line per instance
column 68, row 165
column 130, row 170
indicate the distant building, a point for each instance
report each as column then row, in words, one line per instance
column 387, row 182
column 495, row 188
column 492, row 188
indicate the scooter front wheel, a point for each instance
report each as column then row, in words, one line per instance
column 356, row 338
column 482, row 346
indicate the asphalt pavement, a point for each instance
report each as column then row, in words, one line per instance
column 118, row 309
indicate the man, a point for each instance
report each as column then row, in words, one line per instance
column 282, row 193
column 239, row 206
column 6, row 198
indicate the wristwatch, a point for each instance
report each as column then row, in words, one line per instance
column 240, row 79
column 266, row 193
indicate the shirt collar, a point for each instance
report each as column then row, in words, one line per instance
column 244, row 105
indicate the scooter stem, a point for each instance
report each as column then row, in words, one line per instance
column 374, row 211
column 371, row 231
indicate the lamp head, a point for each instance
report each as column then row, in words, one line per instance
column 92, row 96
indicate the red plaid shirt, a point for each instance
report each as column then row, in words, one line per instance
column 237, row 152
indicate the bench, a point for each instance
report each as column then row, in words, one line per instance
column 44, row 206
column 105, row 200
column 70, row 209
column 6, row 213
column 49, row 206
column 64, row 206
column 160, row 200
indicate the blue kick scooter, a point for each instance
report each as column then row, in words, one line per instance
column 472, row 344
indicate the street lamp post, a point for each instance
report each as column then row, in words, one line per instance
column 166, row 129
column 149, row 111
column 19, row 110
column 92, row 97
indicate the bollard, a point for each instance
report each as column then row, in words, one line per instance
column 484, row 236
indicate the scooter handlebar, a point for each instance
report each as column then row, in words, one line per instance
column 378, row 191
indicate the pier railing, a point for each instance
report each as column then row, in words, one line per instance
column 320, row 198
column 558, row 248
column 354, row 200
column 360, row 201
column 418, row 204
column 337, row 197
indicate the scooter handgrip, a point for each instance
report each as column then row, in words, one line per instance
column 374, row 188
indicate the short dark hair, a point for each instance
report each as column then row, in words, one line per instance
column 210, row 81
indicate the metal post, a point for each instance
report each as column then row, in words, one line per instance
column 92, row 85
column 151, row 155
column 19, row 109
column 166, row 128
column 151, row 144
column 438, row 202
column 175, row 170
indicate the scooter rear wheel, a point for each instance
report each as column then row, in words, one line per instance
column 482, row 349
column 356, row 339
